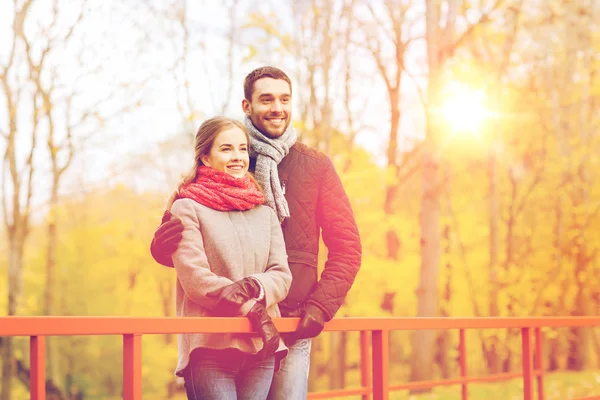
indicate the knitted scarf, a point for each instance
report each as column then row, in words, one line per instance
column 221, row 191
column 268, row 153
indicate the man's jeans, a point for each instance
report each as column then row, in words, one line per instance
column 291, row 381
column 228, row 374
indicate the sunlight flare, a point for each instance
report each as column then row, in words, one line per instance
column 463, row 108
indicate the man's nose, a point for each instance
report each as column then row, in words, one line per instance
column 276, row 106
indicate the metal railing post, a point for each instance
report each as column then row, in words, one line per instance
column 132, row 366
column 37, row 362
column 462, row 354
column 380, row 341
column 539, row 362
column 527, row 364
column 365, row 364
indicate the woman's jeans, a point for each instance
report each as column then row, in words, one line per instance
column 227, row 374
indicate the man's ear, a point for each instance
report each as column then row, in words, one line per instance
column 247, row 107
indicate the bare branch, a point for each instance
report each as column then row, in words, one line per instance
column 483, row 18
column 232, row 38
column 69, row 139
column 76, row 23
column 381, row 23
column 29, row 163
column 375, row 52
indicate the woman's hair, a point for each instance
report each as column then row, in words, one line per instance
column 205, row 137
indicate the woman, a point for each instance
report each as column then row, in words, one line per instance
column 231, row 261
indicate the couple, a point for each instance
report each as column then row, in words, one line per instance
column 247, row 245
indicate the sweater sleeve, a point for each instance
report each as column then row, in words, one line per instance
column 191, row 264
column 277, row 278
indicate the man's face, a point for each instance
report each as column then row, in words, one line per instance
column 270, row 109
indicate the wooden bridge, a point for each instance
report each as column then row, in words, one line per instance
column 374, row 345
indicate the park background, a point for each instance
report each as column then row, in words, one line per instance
column 466, row 134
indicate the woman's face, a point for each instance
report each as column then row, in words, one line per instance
column 229, row 153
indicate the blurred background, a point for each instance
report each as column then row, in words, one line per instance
column 466, row 134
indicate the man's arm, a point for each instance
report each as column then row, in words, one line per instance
column 340, row 235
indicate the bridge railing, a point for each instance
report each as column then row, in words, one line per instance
column 374, row 345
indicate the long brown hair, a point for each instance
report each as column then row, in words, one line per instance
column 205, row 137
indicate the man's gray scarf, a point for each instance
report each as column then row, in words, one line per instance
column 268, row 153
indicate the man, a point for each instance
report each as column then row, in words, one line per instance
column 302, row 186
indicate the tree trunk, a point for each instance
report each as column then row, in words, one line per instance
column 429, row 217
column 51, row 353
column 490, row 347
column 315, row 367
column 337, row 364
column 392, row 240
column 16, row 243
column 578, row 338
column 443, row 339
column 7, row 369
column 427, row 293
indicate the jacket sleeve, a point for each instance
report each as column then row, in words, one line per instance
column 341, row 236
column 277, row 278
column 191, row 264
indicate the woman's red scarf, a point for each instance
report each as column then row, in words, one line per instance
column 221, row 191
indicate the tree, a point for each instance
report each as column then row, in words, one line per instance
column 17, row 177
column 388, row 31
column 48, row 109
column 442, row 41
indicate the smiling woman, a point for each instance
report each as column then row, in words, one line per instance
column 229, row 153
column 463, row 108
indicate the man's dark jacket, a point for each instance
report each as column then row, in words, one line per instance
column 317, row 203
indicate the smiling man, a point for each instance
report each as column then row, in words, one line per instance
column 268, row 104
column 302, row 186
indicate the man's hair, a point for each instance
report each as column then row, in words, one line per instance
column 263, row 72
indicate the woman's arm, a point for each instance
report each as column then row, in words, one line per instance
column 277, row 278
column 190, row 260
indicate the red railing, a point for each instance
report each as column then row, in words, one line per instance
column 374, row 369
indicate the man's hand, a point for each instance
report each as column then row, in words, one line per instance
column 230, row 298
column 311, row 325
column 167, row 236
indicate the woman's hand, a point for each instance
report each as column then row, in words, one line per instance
column 230, row 298
column 262, row 323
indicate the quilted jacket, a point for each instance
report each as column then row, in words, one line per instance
column 318, row 205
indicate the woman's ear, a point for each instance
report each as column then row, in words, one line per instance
column 204, row 160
